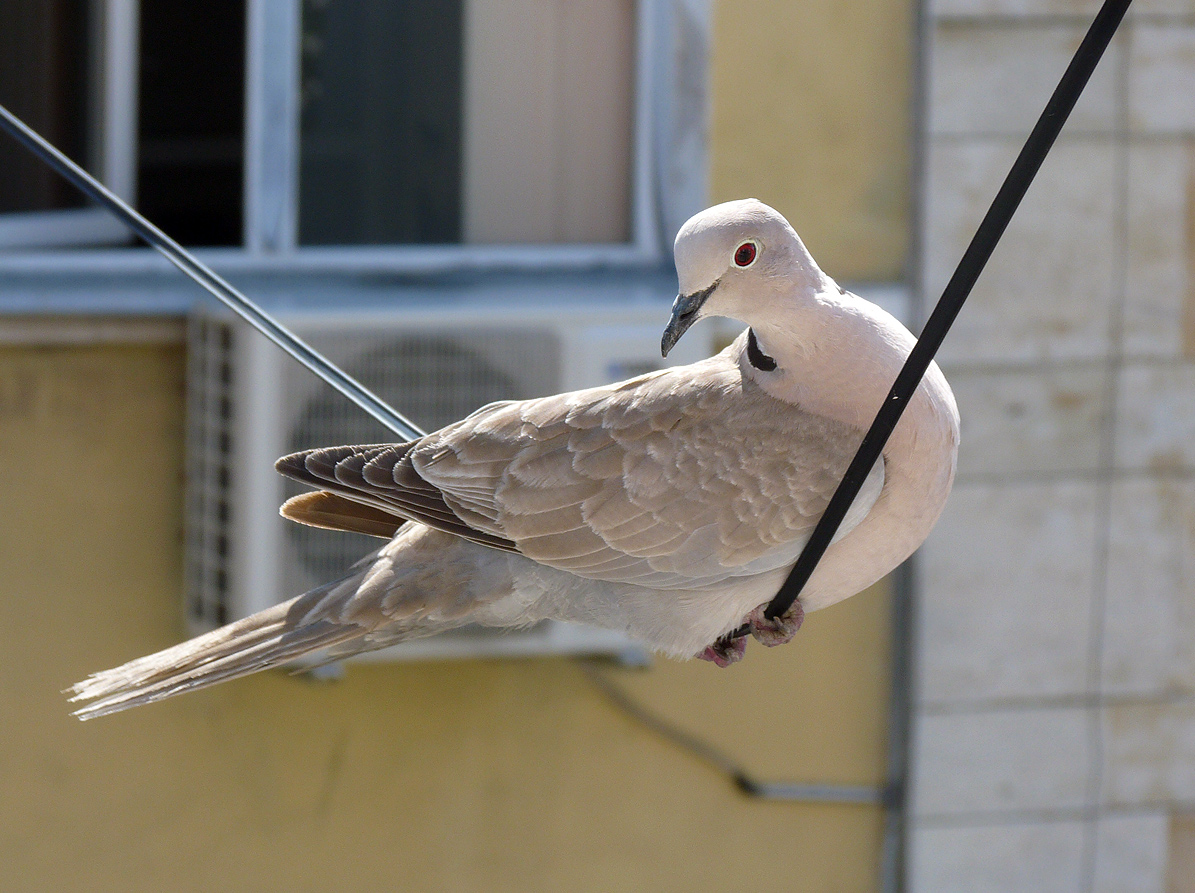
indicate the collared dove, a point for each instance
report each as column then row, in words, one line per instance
column 670, row 506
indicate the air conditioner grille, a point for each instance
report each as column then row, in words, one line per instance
column 246, row 404
column 209, row 470
column 433, row 378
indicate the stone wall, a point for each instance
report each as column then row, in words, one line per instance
column 1055, row 725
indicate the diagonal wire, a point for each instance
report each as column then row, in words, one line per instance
column 201, row 273
column 1024, row 169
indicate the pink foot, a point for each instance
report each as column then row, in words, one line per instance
column 779, row 631
column 725, row 652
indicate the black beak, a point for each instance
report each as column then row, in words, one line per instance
column 684, row 314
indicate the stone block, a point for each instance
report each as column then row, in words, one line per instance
column 1019, row 857
column 1158, row 311
column 1149, row 611
column 1155, row 426
column 1005, row 589
column 1149, row 752
column 1156, row 8
column 990, row 78
column 1047, row 291
column 1161, row 77
column 1020, row 422
column 1180, row 871
column 988, row 761
column 1130, row 854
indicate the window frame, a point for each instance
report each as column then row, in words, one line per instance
column 272, row 165
column 115, row 51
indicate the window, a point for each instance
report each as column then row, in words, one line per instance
column 380, row 130
column 331, row 133
column 191, row 139
column 68, row 69
column 448, row 122
column 486, row 121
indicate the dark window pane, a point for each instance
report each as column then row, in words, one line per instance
column 43, row 74
column 191, row 155
column 381, row 122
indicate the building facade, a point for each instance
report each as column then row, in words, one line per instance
column 1055, row 731
column 549, row 149
column 328, row 159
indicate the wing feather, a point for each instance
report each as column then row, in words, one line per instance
column 332, row 512
column 695, row 475
column 340, row 470
column 678, row 479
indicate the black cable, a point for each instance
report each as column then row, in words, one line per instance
column 201, row 273
column 1019, row 178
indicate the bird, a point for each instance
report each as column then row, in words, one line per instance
column 669, row 507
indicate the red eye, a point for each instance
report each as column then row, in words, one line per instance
column 744, row 255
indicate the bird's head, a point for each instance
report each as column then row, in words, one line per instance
column 739, row 259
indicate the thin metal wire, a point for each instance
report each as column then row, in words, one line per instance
column 1019, row 178
column 202, row 274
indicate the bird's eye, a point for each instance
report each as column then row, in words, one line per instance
column 744, row 255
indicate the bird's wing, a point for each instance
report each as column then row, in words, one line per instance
column 678, row 479
column 333, row 512
column 398, row 492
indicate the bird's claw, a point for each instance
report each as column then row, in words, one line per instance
column 777, row 631
column 770, row 631
column 725, row 651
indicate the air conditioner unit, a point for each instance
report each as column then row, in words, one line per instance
column 248, row 403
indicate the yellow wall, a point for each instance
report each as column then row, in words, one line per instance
column 810, row 113
column 438, row 776
column 511, row 775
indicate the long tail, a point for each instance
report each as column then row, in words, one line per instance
column 265, row 639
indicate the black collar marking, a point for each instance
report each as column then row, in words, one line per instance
column 757, row 357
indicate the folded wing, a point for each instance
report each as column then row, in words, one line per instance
column 680, row 479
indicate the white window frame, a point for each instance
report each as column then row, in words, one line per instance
column 114, row 63
column 272, row 165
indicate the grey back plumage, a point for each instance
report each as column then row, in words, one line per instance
column 678, row 479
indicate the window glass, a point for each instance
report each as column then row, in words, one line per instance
column 549, row 98
column 420, row 121
column 380, row 111
column 190, row 169
column 477, row 121
column 44, row 63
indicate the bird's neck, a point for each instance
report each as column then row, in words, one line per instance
column 841, row 365
column 833, row 354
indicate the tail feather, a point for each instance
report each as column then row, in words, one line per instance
column 263, row 640
column 375, row 604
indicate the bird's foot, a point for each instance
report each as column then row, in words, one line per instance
column 725, row 651
column 778, row 631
